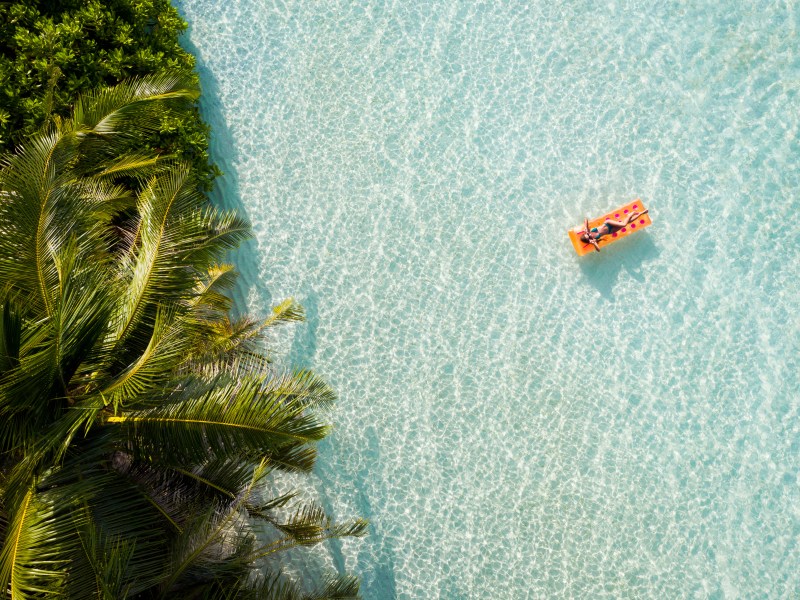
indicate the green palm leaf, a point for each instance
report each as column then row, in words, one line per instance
column 10, row 336
column 36, row 551
column 214, row 535
column 100, row 568
column 141, row 165
column 235, row 418
column 112, row 110
column 152, row 368
column 209, row 301
column 117, row 508
column 343, row 587
column 172, row 231
column 137, row 416
column 51, row 351
column 236, row 346
column 36, row 193
column 307, row 526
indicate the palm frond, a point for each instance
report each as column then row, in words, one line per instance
column 10, row 335
column 226, row 419
column 36, row 192
column 209, row 301
column 103, row 200
column 100, row 567
column 276, row 586
column 220, row 479
column 287, row 311
column 83, row 305
column 153, row 368
column 141, row 165
column 341, row 587
column 152, row 268
column 237, row 345
column 181, row 492
column 210, row 559
column 34, row 394
column 42, row 448
column 307, row 526
column 226, row 346
column 174, row 244
column 209, row 538
column 293, row 458
column 310, row 525
column 110, row 110
column 120, row 509
column 36, row 551
column 303, row 386
column 225, row 230
column 277, row 502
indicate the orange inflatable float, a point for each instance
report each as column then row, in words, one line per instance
column 620, row 214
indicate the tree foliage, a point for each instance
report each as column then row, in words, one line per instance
column 50, row 52
column 138, row 420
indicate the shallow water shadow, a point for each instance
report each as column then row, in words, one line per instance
column 225, row 193
column 602, row 269
column 376, row 563
column 304, row 345
column 380, row 582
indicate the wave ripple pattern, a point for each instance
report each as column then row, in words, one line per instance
column 515, row 421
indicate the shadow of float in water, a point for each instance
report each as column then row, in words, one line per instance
column 602, row 269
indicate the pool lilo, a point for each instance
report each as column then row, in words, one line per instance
column 609, row 228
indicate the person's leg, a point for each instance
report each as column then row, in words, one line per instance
column 628, row 220
column 634, row 216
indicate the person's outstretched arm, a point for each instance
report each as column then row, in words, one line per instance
column 593, row 242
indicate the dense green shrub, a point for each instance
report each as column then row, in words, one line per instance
column 50, row 52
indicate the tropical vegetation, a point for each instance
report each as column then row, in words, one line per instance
column 139, row 421
column 51, row 52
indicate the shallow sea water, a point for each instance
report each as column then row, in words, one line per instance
column 517, row 422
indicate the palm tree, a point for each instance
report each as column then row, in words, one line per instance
column 139, row 420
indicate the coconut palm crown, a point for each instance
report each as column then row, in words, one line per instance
column 138, row 420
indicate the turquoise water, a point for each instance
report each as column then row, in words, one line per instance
column 517, row 422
